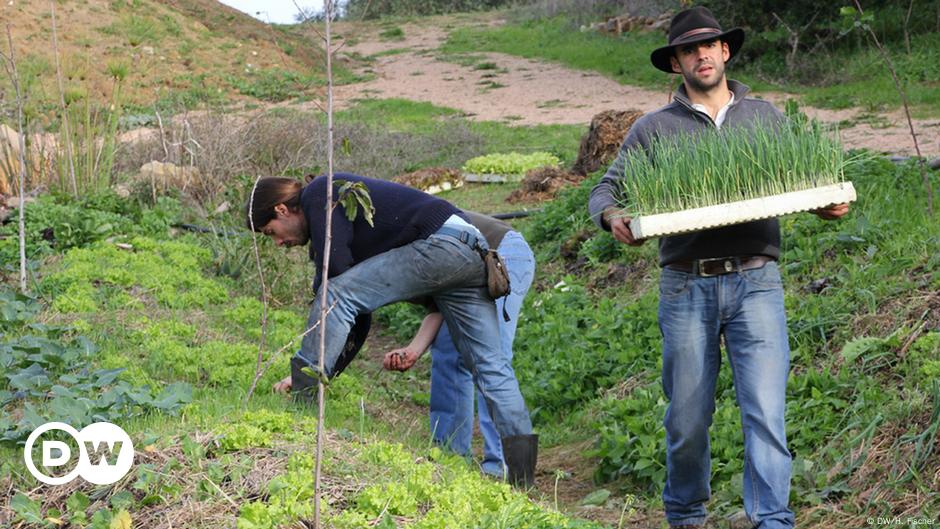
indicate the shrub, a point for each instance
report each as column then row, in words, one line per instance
column 294, row 143
column 274, row 85
column 59, row 223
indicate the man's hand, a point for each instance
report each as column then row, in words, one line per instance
column 832, row 212
column 400, row 359
column 283, row 386
column 619, row 224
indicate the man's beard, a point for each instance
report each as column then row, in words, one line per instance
column 702, row 86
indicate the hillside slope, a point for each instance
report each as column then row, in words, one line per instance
column 167, row 48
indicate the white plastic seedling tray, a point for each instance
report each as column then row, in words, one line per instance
column 492, row 178
column 698, row 219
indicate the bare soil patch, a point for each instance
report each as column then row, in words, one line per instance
column 530, row 92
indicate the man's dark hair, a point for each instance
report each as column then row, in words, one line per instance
column 269, row 192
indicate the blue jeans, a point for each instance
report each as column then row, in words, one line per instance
column 452, row 383
column 747, row 308
column 453, row 274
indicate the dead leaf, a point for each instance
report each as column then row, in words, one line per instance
column 121, row 520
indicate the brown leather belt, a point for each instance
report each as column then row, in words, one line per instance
column 720, row 265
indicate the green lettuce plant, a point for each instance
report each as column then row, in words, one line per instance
column 510, row 164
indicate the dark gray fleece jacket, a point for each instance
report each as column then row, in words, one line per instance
column 753, row 238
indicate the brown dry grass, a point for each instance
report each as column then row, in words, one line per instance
column 882, row 467
column 225, row 148
column 543, row 184
column 190, row 509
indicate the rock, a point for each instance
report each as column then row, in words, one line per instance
column 122, row 190
column 41, row 150
column 147, row 50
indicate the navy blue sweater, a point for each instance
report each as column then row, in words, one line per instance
column 402, row 215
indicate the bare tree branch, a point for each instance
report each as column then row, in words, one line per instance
column 324, row 274
column 264, row 293
column 907, row 110
column 10, row 65
column 276, row 354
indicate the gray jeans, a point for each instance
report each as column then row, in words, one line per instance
column 452, row 273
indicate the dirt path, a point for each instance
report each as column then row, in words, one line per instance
column 500, row 87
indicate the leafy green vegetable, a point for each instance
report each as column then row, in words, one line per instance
column 510, row 164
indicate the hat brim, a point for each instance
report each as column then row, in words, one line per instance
column 660, row 56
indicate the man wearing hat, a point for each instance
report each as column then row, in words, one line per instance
column 722, row 282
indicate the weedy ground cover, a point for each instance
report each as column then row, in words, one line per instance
column 170, row 351
column 425, row 119
column 861, row 298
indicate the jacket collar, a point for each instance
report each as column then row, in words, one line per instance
column 737, row 88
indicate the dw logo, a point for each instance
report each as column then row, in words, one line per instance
column 106, row 453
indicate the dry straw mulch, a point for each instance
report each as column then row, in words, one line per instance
column 543, row 184
column 188, row 508
column 603, row 139
column 431, row 179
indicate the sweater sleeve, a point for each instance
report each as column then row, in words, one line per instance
column 606, row 193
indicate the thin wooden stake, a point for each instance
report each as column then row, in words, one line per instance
column 10, row 65
column 264, row 295
column 325, row 272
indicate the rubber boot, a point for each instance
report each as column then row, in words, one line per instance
column 303, row 386
column 521, row 453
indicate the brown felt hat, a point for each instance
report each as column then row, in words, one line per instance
column 693, row 25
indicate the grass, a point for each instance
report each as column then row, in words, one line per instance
column 393, row 33
column 392, row 51
column 858, row 78
column 425, row 118
column 625, row 59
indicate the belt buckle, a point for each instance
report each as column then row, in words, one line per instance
column 730, row 265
